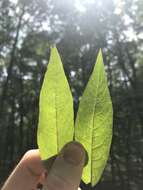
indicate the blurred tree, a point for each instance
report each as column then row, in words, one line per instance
column 79, row 28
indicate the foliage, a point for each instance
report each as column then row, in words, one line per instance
column 26, row 28
column 56, row 122
column 94, row 119
column 94, row 123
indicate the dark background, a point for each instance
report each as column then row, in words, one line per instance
column 79, row 28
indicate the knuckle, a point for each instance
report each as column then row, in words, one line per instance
column 28, row 154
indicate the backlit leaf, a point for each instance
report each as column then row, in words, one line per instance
column 56, row 125
column 93, row 126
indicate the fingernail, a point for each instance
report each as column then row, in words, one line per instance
column 73, row 153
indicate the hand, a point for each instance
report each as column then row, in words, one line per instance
column 62, row 172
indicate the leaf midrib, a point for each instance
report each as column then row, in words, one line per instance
column 94, row 119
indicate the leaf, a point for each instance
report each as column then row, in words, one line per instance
column 56, row 123
column 93, row 126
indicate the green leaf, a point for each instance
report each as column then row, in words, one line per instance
column 93, row 126
column 56, row 123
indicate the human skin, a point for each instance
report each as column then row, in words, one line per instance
column 61, row 172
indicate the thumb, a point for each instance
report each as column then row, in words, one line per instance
column 66, row 171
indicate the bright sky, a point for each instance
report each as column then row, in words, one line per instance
column 14, row 1
column 80, row 5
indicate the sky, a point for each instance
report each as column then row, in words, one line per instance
column 80, row 5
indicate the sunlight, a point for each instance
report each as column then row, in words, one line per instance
column 14, row 1
column 119, row 6
column 80, row 5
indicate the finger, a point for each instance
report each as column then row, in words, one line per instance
column 48, row 163
column 66, row 171
column 27, row 173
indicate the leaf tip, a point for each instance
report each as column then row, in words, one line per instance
column 54, row 54
column 100, row 54
column 53, row 48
